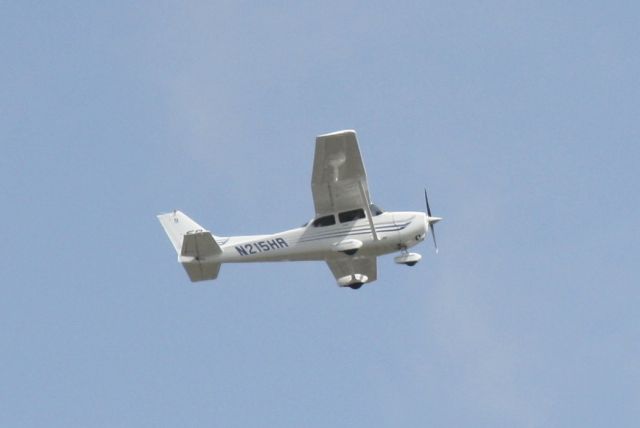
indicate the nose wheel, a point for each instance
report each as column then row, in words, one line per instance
column 406, row 258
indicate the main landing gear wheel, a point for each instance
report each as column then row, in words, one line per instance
column 355, row 285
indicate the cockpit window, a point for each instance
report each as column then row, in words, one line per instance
column 327, row 220
column 351, row 215
column 375, row 210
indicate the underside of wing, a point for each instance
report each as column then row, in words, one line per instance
column 353, row 271
column 339, row 181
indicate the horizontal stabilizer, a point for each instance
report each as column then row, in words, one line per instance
column 199, row 246
column 200, row 271
column 196, row 247
column 198, row 250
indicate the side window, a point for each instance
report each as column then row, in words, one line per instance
column 327, row 220
column 351, row 215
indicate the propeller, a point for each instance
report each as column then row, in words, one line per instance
column 431, row 220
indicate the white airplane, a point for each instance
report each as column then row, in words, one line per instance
column 348, row 231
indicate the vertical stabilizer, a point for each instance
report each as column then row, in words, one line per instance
column 177, row 224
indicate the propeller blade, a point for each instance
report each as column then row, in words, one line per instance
column 431, row 220
column 426, row 199
column 433, row 234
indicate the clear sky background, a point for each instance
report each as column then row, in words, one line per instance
column 520, row 117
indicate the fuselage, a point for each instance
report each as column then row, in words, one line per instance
column 395, row 231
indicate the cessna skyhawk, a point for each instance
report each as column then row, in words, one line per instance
column 348, row 232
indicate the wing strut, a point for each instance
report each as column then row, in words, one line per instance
column 367, row 209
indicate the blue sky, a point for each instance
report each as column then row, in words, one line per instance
column 520, row 117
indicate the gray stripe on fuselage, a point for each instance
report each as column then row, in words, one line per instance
column 358, row 231
column 343, row 229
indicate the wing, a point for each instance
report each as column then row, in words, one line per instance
column 339, row 181
column 344, row 269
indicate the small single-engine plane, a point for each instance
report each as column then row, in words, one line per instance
column 348, row 232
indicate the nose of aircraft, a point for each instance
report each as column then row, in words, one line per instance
column 433, row 220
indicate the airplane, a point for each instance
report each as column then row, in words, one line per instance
column 348, row 232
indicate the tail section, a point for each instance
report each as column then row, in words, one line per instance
column 196, row 247
column 177, row 224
